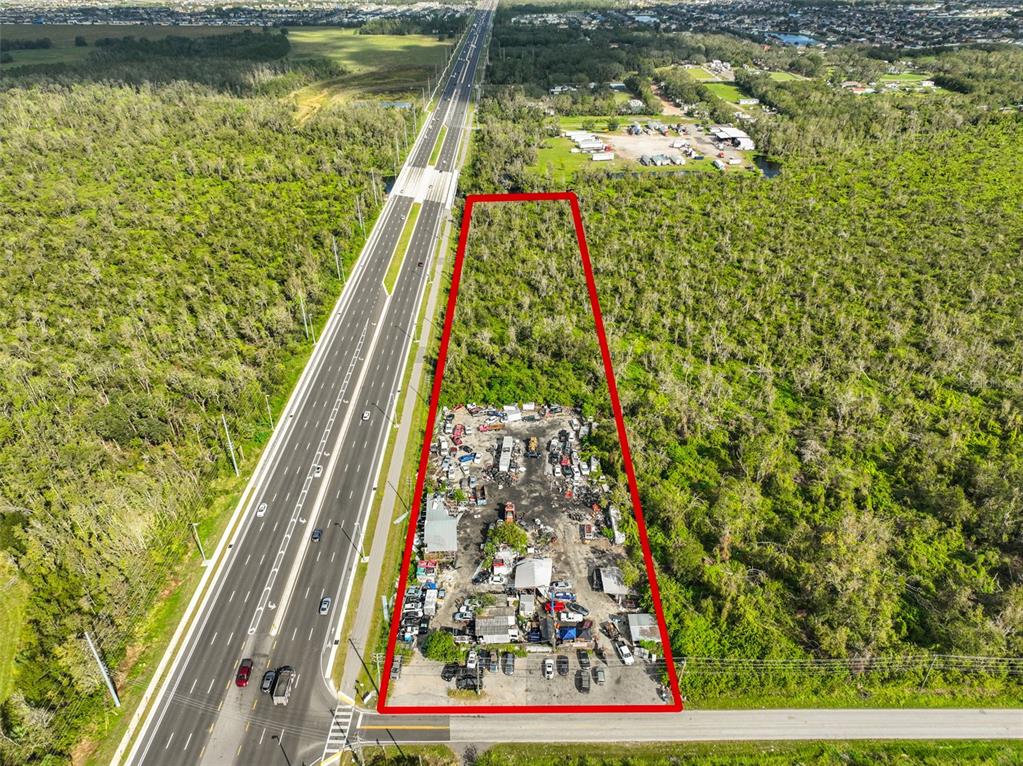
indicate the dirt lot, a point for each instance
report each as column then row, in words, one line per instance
column 634, row 147
column 554, row 510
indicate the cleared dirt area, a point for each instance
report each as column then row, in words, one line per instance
column 540, row 593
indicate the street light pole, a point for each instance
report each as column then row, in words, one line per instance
column 198, row 541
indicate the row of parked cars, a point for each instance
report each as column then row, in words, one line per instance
column 414, row 620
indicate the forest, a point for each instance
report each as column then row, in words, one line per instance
column 821, row 380
column 159, row 242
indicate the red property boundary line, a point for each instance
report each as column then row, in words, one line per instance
column 463, row 237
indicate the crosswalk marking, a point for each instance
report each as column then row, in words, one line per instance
column 340, row 725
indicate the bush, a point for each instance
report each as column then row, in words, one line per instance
column 441, row 646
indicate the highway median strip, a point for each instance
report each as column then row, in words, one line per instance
column 435, row 154
column 391, row 278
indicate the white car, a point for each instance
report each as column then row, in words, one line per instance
column 317, row 471
column 365, row 415
column 325, row 605
column 625, row 653
column 261, row 510
column 470, row 661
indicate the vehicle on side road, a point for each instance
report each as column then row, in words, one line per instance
column 282, row 686
column 241, row 678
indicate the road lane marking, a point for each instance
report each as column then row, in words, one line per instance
column 193, row 685
column 214, row 639
column 231, row 598
column 187, row 741
column 169, row 740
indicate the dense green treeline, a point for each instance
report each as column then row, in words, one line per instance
column 157, row 243
column 821, row 377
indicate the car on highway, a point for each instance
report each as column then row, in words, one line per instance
column 365, row 415
column 241, row 678
column 261, row 510
column 268, row 681
column 317, row 471
column 317, row 534
column 324, row 604
column 562, row 664
column 508, row 662
column 548, row 668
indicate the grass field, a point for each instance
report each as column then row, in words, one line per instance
column 784, row 76
column 388, row 66
column 908, row 78
column 63, row 36
column 13, row 595
column 701, row 74
column 399, row 251
column 726, row 91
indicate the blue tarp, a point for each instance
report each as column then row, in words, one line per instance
column 567, row 634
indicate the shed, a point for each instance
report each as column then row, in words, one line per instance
column 496, row 630
column 612, row 581
column 533, row 573
column 643, row 627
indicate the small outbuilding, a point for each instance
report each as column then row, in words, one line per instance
column 531, row 574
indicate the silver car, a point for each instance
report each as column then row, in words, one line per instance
column 325, row 605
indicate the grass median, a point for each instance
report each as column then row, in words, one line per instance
column 437, row 146
column 398, row 256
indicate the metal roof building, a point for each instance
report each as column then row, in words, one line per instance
column 533, row 573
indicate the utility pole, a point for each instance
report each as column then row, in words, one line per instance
column 305, row 318
column 230, row 444
column 269, row 412
column 198, row 541
column 396, row 156
column 103, row 670
column 358, row 211
column 333, row 244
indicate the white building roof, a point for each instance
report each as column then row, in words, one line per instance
column 533, row 573
column 441, row 535
column 643, row 627
column 612, row 581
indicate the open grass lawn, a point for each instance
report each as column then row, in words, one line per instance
column 726, row 91
column 384, row 66
column 13, row 595
column 63, row 36
column 908, row 78
column 784, row 76
column 704, row 75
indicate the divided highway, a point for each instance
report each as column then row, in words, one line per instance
column 319, row 472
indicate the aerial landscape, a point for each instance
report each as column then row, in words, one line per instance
column 511, row 382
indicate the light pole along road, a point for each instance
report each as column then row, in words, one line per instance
column 320, row 472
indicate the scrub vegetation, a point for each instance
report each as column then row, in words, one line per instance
column 820, row 375
column 158, row 239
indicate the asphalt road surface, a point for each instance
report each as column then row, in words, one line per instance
column 264, row 604
column 696, row 725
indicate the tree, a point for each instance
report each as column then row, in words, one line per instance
column 440, row 646
column 80, row 41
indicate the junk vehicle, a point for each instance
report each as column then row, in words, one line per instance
column 282, row 686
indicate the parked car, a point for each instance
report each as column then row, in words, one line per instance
column 578, row 608
column 583, row 681
column 417, row 613
column 261, row 510
column 598, row 674
column 492, row 662
column 244, row 671
column 548, row 668
column 498, row 579
column 317, row 535
column 324, row 604
column 268, row 681
column 625, row 653
column 509, row 664
column 462, row 616
column 449, row 671
column 562, row 665
column 471, row 660
column 563, row 584
column 468, row 682
column 584, row 659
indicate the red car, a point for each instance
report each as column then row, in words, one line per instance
column 244, row 671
